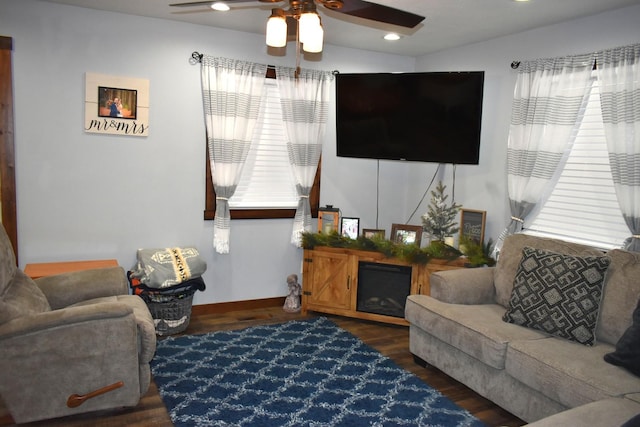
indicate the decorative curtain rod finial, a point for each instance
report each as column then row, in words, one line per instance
column 196, row 57
column 515, row 65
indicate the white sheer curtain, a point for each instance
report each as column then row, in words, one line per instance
column 305, row 105
column 231, row 92
column 548, row 97
column 619, row 76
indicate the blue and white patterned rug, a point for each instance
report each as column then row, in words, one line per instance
column 299, row 373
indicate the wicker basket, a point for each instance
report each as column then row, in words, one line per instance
column 172, row 315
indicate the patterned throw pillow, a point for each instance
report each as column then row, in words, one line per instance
column 558, row 294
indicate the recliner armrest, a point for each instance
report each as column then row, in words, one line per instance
column 65, row 318
column 464, row 286
column 66, row 289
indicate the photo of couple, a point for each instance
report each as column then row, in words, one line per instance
column 117, row 103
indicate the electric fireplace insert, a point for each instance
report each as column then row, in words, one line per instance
column 383, row 288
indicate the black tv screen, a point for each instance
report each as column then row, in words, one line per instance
column 428, row 117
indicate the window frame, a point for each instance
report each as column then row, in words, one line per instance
column 210, row 194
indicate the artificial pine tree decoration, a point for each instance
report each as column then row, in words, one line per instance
column 439, row 221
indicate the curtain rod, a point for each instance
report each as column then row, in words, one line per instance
column 196, row 57
column 516, row 64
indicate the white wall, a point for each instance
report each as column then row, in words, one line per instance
column 484, row 186
column 87, row 196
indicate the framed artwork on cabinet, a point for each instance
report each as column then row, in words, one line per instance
column 371, row 233
column 472, row 225
column 350, row 227
column 406, row 234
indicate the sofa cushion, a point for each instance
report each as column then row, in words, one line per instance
column 21, row 297
column 622, row 291
column 601, row 413
column 567, row 372
column 558, row 294
column 511, row 254
column 627, row 353
column 477, row 330
column 7, row 261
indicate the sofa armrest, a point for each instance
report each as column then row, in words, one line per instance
column 464, row 286
column 66, row 289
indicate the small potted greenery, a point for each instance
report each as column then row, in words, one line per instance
column 439, row 220
column 478, row 254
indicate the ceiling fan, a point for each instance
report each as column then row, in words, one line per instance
column 303, row 21
column 358, row 8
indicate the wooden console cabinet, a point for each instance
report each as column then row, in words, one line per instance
column 330, row 280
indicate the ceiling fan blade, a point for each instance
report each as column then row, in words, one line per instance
column 380, row 13
column 209, row 2
column 192, row 3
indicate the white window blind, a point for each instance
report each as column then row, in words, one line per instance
column 583, row 206
column 267, row 181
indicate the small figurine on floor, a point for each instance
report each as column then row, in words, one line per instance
column 292, row 302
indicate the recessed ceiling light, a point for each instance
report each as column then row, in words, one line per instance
column 391, row 36
column 220, row 6
column 521, row 1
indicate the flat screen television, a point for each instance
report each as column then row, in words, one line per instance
column 427, row 116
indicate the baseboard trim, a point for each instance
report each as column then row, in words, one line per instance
column 226, row 307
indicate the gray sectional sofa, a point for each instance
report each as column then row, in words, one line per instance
column 532, row 373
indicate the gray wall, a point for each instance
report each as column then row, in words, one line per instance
column 484, row 187
column 87, row 196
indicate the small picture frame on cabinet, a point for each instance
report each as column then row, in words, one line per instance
column 350, row 227
column 472, row 223
column 406, row 234
column 373, row 233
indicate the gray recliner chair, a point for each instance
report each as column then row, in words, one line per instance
column 70, row 343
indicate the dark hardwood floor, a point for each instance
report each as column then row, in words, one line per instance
column 390, row 340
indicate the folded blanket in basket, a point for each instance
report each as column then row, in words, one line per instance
column 161, row 268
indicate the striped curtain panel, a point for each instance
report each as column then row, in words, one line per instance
column 305, row 107
column 619, row 77
column 231, row 92
column 548, row 96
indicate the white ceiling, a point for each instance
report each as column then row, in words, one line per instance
column 448, row 23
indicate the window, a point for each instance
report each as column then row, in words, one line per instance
column 267, row 187
column 267, row 179
column 583, row 206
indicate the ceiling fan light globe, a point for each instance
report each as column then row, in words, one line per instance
column 309, row 23
column 314, row 43
column 276, row 31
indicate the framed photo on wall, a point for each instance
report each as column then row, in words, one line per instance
column 350, row 227
column 406, row 234
column 472, row 225
column 116, row 105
